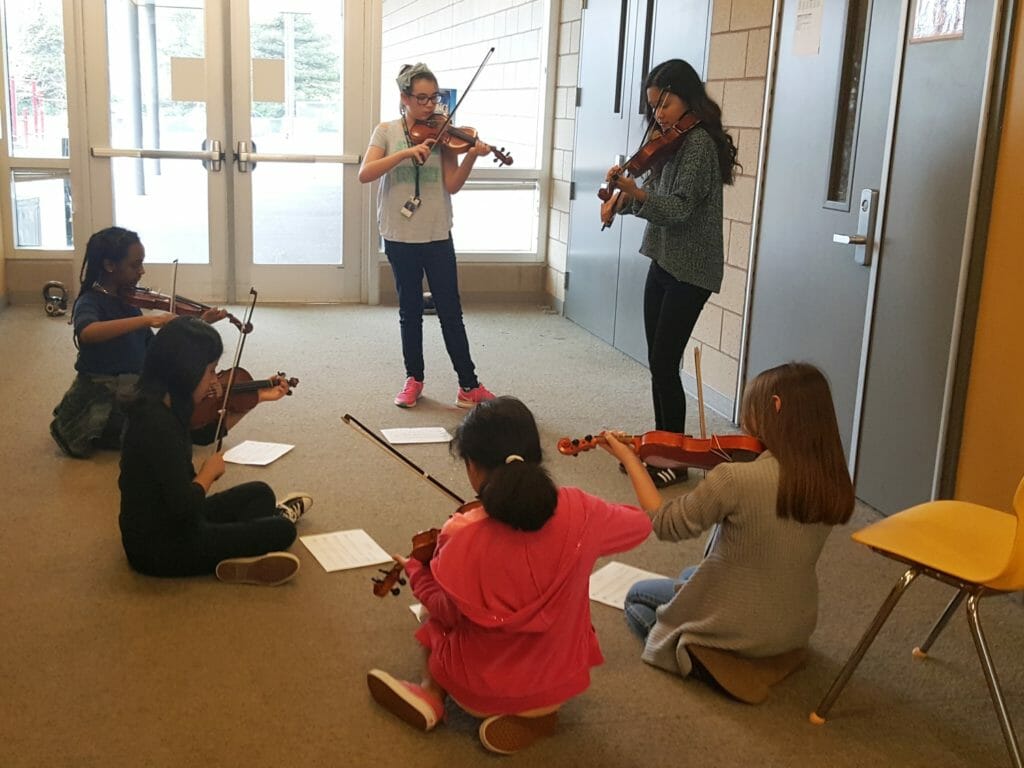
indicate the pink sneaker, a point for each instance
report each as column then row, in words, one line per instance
column 474, row 397
column 416, row 706
column 410, row 393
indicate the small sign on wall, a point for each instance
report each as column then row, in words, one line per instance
column 937, row 20
column 807, row 28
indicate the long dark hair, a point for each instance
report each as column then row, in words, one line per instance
column 681, row 79
column 814, row 484
column 176, row 360
column 500, row 437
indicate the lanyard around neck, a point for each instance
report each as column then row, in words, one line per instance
column 415, row 165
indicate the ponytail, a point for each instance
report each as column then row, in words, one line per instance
column 520, row 494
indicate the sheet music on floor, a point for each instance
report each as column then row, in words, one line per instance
column 404, row 435
column 610, row 583
column 341, row 550
column 256, row 453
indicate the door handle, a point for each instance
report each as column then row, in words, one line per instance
column 862, row 240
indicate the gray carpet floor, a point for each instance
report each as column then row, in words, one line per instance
column 100, row 666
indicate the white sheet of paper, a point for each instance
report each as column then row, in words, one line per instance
column 341, row 550
column 610, row 583
column 807, row 28
column 257, row 453
column 418, row 611
column 401, row 435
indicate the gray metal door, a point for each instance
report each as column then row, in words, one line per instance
column 811, row 300
column 810, row 293
column 923, row 264
column 602, row 130
column 670, row 29
column 621, row 40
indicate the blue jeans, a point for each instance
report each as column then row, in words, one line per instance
column 409, row 263
column 645, row 596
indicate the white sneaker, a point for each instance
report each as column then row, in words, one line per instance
column 268, row 570
column 294, row 505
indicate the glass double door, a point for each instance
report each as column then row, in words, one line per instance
column 220, row 137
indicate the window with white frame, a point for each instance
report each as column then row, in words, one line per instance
column 497, row 212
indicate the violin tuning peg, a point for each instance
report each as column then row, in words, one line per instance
column 401, row 581
column 396, row 591
column 376, row 581
column 385, row 571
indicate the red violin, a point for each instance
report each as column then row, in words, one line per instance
column 144, row 298
column 662, row 145
column 671, row 447
column 244, row 395
column 424, row 544
column 458, row 140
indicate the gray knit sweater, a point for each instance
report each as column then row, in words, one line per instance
column 756, row 591
column 684, row 213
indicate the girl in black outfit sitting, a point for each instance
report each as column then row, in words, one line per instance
column 169, row 525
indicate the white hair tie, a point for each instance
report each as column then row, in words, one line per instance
column 513, row 457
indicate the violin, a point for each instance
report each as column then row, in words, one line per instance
column 663, row 446
column 244, row 395
column 661, row 146
column 424, row 546
column 458, row 140
column 144, row 298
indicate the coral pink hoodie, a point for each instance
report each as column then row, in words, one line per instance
column 509, row 627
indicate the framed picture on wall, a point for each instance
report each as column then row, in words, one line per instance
column 937, row 20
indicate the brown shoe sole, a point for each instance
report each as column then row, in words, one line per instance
column 507, row 734
column 268, row 570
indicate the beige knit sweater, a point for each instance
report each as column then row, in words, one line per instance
column 756, row 591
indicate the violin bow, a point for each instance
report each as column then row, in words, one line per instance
column 174, row 285
column 451, row 114
column 700, row 392
column 231, row 374
column 353, row 422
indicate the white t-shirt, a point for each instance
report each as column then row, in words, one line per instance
column 433, row 219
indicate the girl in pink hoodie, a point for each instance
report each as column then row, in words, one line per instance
column 509, row 636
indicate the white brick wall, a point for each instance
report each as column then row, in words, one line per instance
column 452, row 39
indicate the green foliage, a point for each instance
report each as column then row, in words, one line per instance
column 36, row 54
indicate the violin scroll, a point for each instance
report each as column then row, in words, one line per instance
column 423, row 545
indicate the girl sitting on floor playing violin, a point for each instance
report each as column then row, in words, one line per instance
column 170, row 525
column 111, row 336
column 755, row 592
column 414, row 215
column 509, row 636
column 682, row 203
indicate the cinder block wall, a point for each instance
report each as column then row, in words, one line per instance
column 737, row 68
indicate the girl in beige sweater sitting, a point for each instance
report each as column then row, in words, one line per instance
column 755, row 593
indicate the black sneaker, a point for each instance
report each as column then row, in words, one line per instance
column 294, row 505
column 663, row 477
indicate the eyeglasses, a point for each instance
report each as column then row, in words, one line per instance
column 423, row 99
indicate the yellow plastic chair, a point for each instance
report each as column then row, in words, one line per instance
column 976, row 549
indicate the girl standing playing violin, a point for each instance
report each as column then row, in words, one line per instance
column 112, row 337
column 755, row 592
column 682, row 203
column 414, row 214
column 170, row 524
column 509, row 636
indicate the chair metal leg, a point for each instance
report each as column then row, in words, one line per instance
column 818, row 715
column 922, row 650
column 990, row 677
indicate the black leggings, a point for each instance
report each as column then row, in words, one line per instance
column 239, row 522
column 671, row 309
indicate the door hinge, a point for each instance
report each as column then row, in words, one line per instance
column 584, row 5
column 565, row 281
column 572, row 190
column 579, row 95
